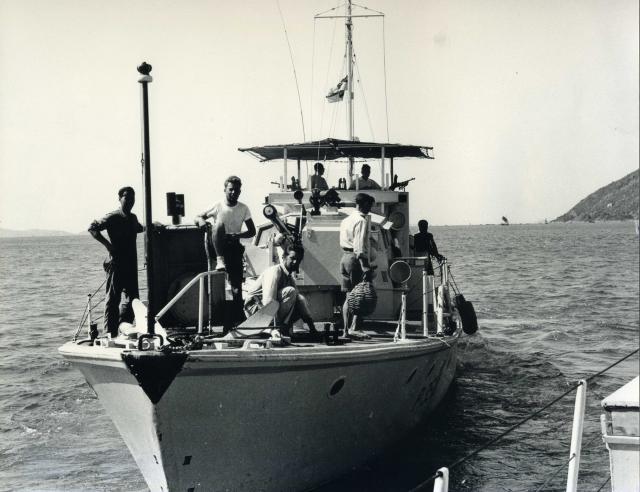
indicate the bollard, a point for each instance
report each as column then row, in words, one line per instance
column 441, row 483
column 576, row 437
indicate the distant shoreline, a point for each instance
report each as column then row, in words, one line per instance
column 11, row 233
column 37, row 233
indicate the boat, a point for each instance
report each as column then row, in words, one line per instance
column 621, row 435
column 505, row 221
column 251, row 409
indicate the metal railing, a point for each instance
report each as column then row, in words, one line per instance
column 201, row 297
column 200, row 278
column 438, row 292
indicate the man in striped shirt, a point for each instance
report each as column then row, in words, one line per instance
column 354, row 265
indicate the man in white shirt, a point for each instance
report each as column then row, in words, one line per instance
column 354, row 265
column 229, row 215
column 276, row 283
column 364, row 182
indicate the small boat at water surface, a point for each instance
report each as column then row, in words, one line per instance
column 250, row 410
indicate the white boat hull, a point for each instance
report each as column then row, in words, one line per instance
column 269, row 419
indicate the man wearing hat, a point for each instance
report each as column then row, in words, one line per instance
column 354, row 265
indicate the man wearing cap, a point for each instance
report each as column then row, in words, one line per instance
column 121, row 266
column 354, row 265
column 425, row 245
column 364, row 182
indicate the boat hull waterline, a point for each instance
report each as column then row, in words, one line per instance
column 268, row 419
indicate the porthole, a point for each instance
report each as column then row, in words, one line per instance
column 337, row 386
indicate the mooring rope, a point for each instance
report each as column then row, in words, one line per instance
column 521, row 422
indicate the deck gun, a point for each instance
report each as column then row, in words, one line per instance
column 399, row 184
column 292, row 232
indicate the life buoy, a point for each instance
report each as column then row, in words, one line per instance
column 467, row 315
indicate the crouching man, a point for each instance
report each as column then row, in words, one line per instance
column 276, row 283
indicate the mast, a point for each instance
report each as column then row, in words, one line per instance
column 349, row 40
column 144, row 80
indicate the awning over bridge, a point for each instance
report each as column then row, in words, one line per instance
column 331, row 148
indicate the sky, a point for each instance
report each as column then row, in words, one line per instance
column 529, row 105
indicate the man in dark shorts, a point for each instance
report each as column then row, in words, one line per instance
column 121, row 266
column 425, row 245
column 229, row 216
column 354, row 265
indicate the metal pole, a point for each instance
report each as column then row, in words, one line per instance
column 440, row 310
column 145, row 70
column 441, row 483
column 403, row 317
column 200, row 304
column 425, row 303
column 576, row 437
column 383, row 179
column 89, row 313
column 285, row 170
column 349, row 29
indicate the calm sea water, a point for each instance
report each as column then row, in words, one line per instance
column 555, row 303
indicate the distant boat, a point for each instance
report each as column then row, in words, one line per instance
column 505, row 221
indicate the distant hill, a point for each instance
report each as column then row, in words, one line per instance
column 32, row 233
column 616, row 201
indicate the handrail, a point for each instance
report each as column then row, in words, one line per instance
column 200, row 279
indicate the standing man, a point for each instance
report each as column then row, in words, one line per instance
column 121, row 266
column 354, row 265
column 276, row 283
column 316, row 181
column 425, row 245
column 229, row 215
column 364, row 182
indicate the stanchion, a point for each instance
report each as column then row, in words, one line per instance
column 425, row 303
column 576, row 437
column 441, row 483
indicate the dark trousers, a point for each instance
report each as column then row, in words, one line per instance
column 121, row 290
column 233, row 252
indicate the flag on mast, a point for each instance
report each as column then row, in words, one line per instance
column 336, row 93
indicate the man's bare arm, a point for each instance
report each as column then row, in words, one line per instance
column 97, row 235
column 250, row 232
